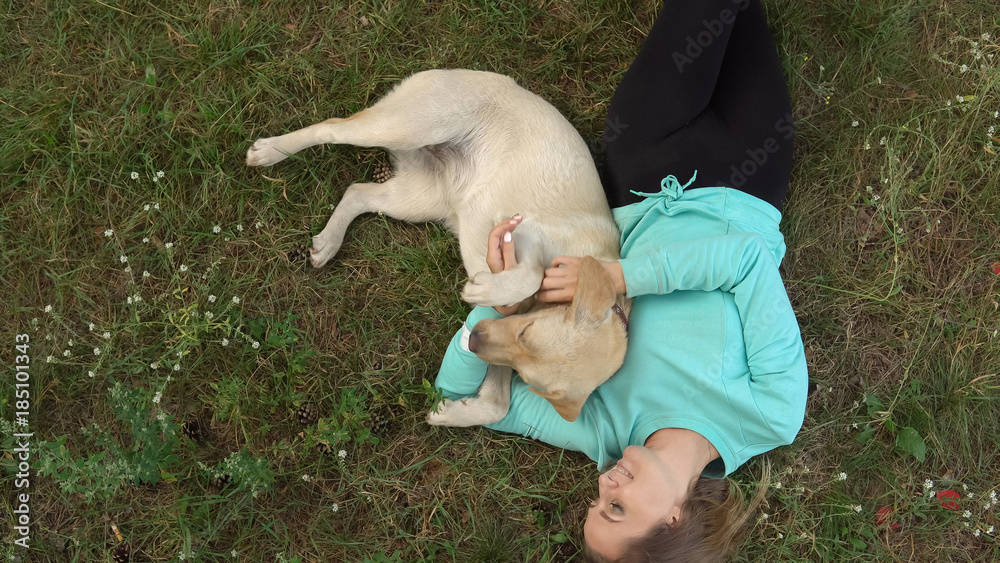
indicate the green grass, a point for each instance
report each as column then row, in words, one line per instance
column 894, row 288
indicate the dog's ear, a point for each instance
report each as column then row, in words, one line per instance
column 567, row 408
column 595, row 294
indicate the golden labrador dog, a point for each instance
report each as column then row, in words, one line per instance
column 470, row 149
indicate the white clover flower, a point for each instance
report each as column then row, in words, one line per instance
column 168, row 245
column 236, row 300
column 109, row 232
column 156, row 398
column 97, row 351
column 106, row 335
column 854, row 123
column 842, row 476
column 184, row 268
column 177, row 367
column 211, row 299
column 135, row 175
column 928, row 484
column 90, row 374
column 335, row 507
column 146, row 274
column 256, row 345
column 342, row 454
column 216, row 229
column 159, row 173
column 777, row 485
column 225, row 342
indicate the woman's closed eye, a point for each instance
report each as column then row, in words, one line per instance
column 617, row 508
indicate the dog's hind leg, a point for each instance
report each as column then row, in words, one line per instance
column 429, row 108
column 408, row 196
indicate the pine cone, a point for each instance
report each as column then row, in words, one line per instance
column 122, row 553
column 382, row 173
column 307, row 413
column 218, row 483
column 299, row 252
column 193, row 430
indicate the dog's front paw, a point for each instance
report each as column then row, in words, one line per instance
column 323, row 249
column 479, row 290
column 460, row 413
column 265, row 152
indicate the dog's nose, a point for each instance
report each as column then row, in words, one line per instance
column 474, row 340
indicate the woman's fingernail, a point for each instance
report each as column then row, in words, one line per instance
column 506, row 237
column 517, row 217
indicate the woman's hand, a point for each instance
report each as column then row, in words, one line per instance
column 560, row 281
column 500, row 254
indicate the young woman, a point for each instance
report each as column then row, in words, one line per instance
column 715, row 371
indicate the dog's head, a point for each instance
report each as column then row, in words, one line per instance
column 565, row 351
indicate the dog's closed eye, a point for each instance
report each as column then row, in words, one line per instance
column 521, row 336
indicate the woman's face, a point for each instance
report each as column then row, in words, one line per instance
column 636, row 494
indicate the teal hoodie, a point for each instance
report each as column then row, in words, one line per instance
column 714, row 346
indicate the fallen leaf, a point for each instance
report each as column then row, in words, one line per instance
column 949, row 497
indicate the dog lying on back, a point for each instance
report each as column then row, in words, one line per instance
column 470, row 149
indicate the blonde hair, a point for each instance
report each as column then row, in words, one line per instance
column 710, row 528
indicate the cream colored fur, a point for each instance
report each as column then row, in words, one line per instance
column 470, row 149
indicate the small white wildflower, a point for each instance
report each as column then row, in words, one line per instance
column 184, row 268
column 225, row 342
column 177, row 367
column 90, row 374
column 135, row 175
column 50, row 358
column 842, row 476
column 239, row 227
column 959, row 98
column 137, row 298
column 146, row 274
column 108, row 232
column 985, row 36
column 876, row 197
column 209, row 315
column 780, row 535
column 989, row 530
column 332, row 206
column 128, row 269
column 764, row 516
column 948, row 103
column 777, row 485
column 879, row 80
column 155, row 179
column 976, row 533
column 66, row 353
column 854, row 123
column 233, row 553
column 342, row 454
column 256, row 345
column 964, row 486
column 91, row 327
column 258, row 225
column 305, row 477
column 969, row 495
column 335, row 507
column 987, row 506
column 48, row 309
column 991, row 131
column 967, row 514
column 145, row 240
column 868, row 146
column 928, row 484
column 211, row 299
column 822, row 68
column 966, row 524
column 216, row 229
column 993, row 495
column 156, row 206
column 155, row 365
column 236, row 300
column 106, row 335
column 805, row 469
column 97, row 351
column 963, row 68
column 856, row 508
column 128, row 299
column 159, row 173
column 854, row 425
column 156, row 398
column 996, row 114
column 168, row 245
column 881, row 141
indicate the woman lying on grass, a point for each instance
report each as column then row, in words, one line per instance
column 715, row 371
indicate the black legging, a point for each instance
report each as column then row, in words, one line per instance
column 706, row 92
